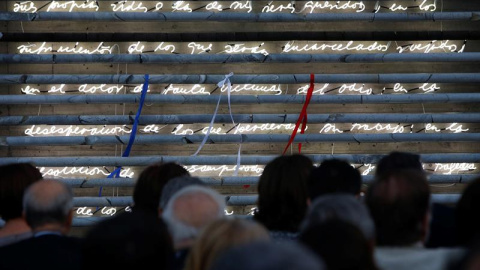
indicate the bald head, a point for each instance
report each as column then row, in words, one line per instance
column 195, row 209
column 192, row 209
column 47, row 203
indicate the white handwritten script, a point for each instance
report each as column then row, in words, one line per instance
column 217, row 6
column 88, row 171
column 220, row 170
column 265, row 48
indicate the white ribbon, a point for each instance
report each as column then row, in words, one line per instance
column 239, row 158
column 229, row 91
column 210, row 127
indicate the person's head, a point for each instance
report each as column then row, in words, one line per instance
column 176, row 184
column 14, row 179
column 189, row 211
column 398, row 161
column 268, row 256
column 151, row 182
column 468, row 221
column 340, row 244
column 399, row 205
column 47, row 205
column 282, row 193
column 134, row 240
column 334, row 176
column 344, row 207
column 219, row 236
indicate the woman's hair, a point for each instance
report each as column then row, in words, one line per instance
column 14, row 180
column 282, row 193
column 220, row 236
column 146, row 195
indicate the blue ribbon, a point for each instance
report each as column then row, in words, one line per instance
column 126, row 153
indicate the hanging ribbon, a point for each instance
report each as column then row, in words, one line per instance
column 210, row 127
column 302, row 119
column 126, row 153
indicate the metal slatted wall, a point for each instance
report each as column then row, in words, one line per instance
column 389, row 75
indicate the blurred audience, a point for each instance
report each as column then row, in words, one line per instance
column 282, row 196
column 268, row 256
column 14, row 179
column 187, row 213
column 344, row 207
column 334, row 176
column 174, row 185
column 47, row 207
column 442, row 229
column 137, row 240
column 399, row 204
column 340, row 244
column 151, row 182
column 468, row 219
column 178, row 223
column 221, row 235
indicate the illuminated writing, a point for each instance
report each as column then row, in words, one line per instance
column 350, row 46
column 310, row 6
column 163, row 47
column 368, row 168
column 241, row 48
column 84, row 211
column 71, row 5
column 256, row 88
column 136, row 48
column 214, row 6
column 221, row 169
column 327, row 128
column 25, row 7
column 125, row 172
column 196, row 89
column 242, row 5
column 108, row 211
column 181, row 6
column 450, row 168
column 100, row 49
column 29, row 90
column 74, row 130
column 242, row 128
column 199, row 48
column 444, row 45
column 270, row 7
column 128, row 6
column 33, row 49
column 378, row 127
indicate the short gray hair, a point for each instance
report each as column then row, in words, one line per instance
column 176, row 184
column 340, row 206
column 179, row 229
column 47, row 202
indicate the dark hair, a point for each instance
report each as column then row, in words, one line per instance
column 14, row 180
column 282, row 193
column 468, row 221
column 398, row 203
column 150, row 184
column 334, row 176
column 398, row 161
column 128, row 241
column 340, row 244
column 268, row 256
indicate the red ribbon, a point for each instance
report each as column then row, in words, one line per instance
column 302, row 119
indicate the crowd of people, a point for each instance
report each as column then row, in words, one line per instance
column 307, row 217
